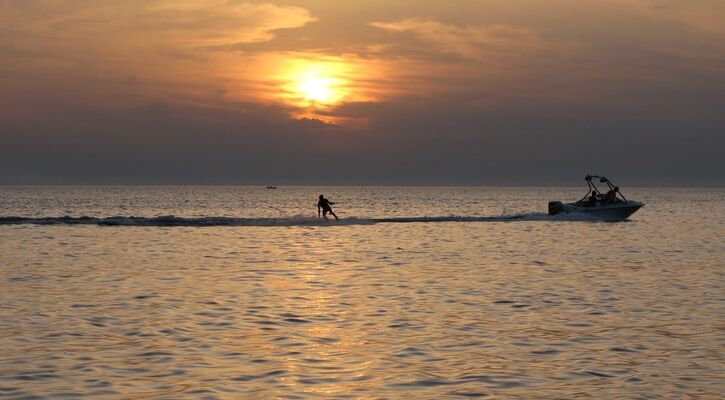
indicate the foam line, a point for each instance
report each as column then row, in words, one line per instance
column 170, row 220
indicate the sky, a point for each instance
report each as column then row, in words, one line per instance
column 322, row 92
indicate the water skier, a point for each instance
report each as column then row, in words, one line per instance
column 323, row 206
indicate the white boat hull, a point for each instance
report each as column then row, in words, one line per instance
column 612, row 211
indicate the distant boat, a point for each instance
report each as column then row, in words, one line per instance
column 611, row 205
column 271, row 187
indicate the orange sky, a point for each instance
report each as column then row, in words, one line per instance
column 338, row 61
column 216, row 52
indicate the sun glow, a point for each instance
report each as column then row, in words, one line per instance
column 313, row 86
column 317, row 85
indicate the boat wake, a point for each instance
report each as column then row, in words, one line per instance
column 299, row 220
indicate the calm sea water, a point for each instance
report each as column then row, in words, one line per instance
column 285, row 307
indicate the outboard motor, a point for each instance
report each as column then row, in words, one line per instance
column 555, row 207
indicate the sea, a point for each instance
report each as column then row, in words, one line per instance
column 416, row 292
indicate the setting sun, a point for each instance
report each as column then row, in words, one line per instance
column 316, row 88
column 317, row 85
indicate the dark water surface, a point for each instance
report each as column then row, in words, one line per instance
column 464, row 302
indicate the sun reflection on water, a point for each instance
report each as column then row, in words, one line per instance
column 418, row 310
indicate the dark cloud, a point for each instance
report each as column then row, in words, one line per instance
column 410, row 141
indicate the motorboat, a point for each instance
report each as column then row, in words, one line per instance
column 611, row 205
